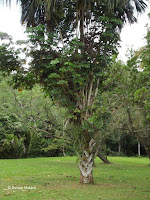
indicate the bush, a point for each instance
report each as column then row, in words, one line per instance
column 11, row 147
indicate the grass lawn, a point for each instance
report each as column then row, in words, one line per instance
column 58, row 179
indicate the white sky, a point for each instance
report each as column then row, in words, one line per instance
column 131, row 35
column 10, row 21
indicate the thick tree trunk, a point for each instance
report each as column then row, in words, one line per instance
column 86, row 164
column 86, row 167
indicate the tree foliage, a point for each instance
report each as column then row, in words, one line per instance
column 33, row 122
column 129, row 95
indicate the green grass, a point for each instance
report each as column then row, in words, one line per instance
column 58, row 179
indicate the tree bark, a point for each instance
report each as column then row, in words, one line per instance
column 103, row 158
column 119, row 147
column 139, row 149
column 148, row 154
column 147, row 150
column 86, row 164
column 86, row 167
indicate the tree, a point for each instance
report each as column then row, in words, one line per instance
column 40, row 132
column 72, row 79
column 38, row 12
column 70, row 60
column 8, row 54
column 129, row 95
column 141, row 97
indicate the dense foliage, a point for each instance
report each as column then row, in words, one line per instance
column 31, row 125
column 128, row 95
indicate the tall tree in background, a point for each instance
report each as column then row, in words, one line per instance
column 129, row 96
column 70, row 57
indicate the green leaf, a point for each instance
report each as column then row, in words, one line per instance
column 62, row 82
column 53, row 75
column 54, row 62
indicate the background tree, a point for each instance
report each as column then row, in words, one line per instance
column 130, row 97
column 41, row 132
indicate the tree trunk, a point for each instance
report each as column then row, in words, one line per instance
column 63, row 149
column 86, row 167
column 86, row 164
column 139, row 149
column 25, row 151
column 103, row 158
column 147, row 150
column 119, row 147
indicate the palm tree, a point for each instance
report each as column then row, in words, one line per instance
column 60, row 15
column 127, row 8
column 35, row 12
column 65, row 15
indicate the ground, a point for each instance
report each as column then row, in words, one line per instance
column 58, row 179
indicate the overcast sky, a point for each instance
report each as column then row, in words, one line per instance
column 131, row 35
